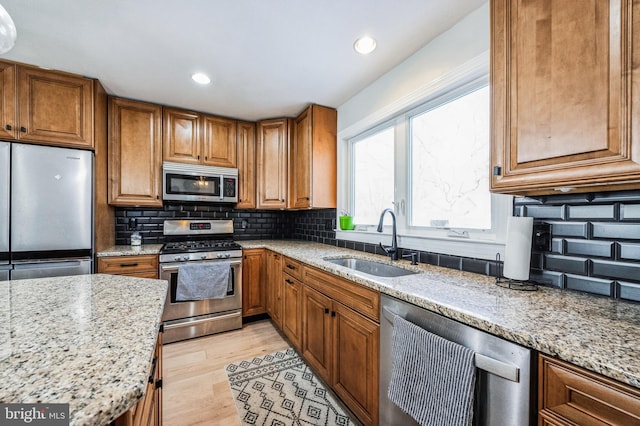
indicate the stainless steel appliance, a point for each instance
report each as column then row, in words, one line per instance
column 47, row 216
column 200, row 241
column 503, row 394
column 190, row 182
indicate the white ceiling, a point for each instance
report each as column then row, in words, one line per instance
column 266, row 58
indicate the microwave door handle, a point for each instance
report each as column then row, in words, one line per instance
column 221, row 187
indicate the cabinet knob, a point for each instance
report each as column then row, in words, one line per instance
column 326, row 310
column 198, row 157
column 9, row 127
column 497, row 170
column 23, row 129
column 333, row 313
column 288, row 281
column 206, row 158
column 157, row 197
column 307, row 198
column 282, row 200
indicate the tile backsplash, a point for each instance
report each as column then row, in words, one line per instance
column 595, row 242
column 595, row 237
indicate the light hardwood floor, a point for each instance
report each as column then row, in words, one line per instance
column 195, row 387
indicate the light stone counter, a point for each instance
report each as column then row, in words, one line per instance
column 86, row 340
column 128, row 250
column 597, row 333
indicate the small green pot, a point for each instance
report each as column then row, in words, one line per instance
column 346, row 223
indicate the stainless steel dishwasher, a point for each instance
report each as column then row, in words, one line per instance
column 504, row 393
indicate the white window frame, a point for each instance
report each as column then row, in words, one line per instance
column 481, row 244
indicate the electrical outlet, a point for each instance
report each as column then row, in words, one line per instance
column 541, row 237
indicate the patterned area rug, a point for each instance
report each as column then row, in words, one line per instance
column 280, row 390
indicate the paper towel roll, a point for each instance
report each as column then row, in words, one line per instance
column 517, row 253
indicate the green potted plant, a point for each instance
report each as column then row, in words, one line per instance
column 346, row 221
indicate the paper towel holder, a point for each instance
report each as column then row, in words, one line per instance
column 510, row 283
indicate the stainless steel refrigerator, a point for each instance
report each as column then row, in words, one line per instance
column 46, row 211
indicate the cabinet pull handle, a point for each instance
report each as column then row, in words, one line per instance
column 23, row 129
column 291, row 266
column 159, row 384
column 153, row 370
column 157, row 197
column 497, row 170
column 288, row 281
column 9, row 127
column 333, row 314
column 198, row 157
column 128, row 265
column 206, row 158
column 326, row 310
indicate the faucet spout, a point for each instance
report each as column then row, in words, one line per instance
column 391, row 250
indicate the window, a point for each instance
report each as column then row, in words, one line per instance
column 431, row 164
column 449, row 146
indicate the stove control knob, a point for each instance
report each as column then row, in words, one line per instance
column 227, row 255
column 203, row 256
column 177, row 258
column 219, row 255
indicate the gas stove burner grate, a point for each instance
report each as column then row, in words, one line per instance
column 197, row 246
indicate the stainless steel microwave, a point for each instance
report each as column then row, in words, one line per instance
column 192, row 182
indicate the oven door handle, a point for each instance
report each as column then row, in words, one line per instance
column 172, row 267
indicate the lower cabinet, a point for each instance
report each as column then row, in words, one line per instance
column 254, row 300
column 292, row 309
column 570, row 395
column 148, row 411
column 317, row 310
column 274, row 287
column 141, row 266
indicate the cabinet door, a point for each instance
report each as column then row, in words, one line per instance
column 292, row 309
column 56, row 108
column 317, row 333
column 181, row 136
column 563, row 115
column 8, row 112
column 246, row 143
column 219, row 141
column 355, row 376
column 253, row 287
column 301, row 148
column 273, row 141
column 135, row 153
column 274, row 294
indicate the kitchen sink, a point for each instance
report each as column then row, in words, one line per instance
column 371, row 267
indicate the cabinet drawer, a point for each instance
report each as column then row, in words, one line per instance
column 359, row 298
column 128, row 264
column 292, row 267
column 572, row 395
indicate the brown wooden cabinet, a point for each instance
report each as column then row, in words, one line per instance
column 272, row 163
column 246, row 143
column 46, row 106
column 274, row 287
column 135, row 153
column 253, row 282
column 313, row 162
column 570, row 395
column 191, row 137
column 141, row 266
column 148, row 411
column 292, row 309
column 341, row 339
column 564, row 117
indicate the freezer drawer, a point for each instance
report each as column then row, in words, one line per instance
column 51, row 269
column 51, row 198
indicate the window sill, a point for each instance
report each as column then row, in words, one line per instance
column 467, row 247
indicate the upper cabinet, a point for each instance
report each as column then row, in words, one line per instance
column 564, row 111
column 312, row 170
column 135, row 153
column 46, row 106
column 272, row 155
column 191, row 137
column 246, row 143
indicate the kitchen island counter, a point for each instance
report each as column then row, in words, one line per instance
column 86, row 340
column 597, row 333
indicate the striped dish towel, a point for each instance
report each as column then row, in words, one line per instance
column 433, row 379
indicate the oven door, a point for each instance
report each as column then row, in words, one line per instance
column 175, row 310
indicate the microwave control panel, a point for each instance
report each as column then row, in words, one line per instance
column 229, row 187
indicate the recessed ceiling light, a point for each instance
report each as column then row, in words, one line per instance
column 364, row 45
column 201, row 78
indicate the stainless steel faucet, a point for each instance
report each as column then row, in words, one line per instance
column 392, row 250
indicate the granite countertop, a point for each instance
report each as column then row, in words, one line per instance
column 128, row 250
column 86, row 340
column 597, row 333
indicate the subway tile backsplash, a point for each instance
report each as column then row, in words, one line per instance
column 595, row 242
column 595, row 237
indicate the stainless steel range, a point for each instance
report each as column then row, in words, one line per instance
column 200, row 241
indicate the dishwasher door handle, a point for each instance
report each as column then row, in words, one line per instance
column 483, row 362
